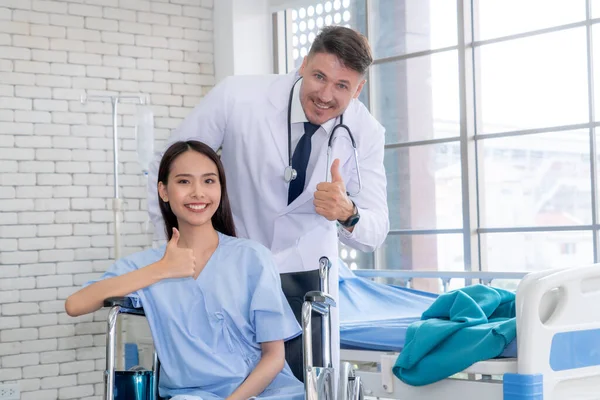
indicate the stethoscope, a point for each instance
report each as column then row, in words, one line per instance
column 289, row 174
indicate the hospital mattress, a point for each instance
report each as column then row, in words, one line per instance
column 375, row 316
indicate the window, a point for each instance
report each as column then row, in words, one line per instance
column 491, row 153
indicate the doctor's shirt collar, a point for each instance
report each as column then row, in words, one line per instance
column 297, row 114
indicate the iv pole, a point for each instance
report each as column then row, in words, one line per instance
column 117, row 201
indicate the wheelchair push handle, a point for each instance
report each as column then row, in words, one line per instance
column 324, row 267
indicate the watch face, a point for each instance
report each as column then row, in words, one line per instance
column 351, row 221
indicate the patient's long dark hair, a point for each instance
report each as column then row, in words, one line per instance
column 222, row 219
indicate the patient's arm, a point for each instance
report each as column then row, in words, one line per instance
column 271, row 363
column 91, row 298
column 176, row 263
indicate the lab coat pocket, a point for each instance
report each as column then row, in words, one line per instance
column 318, row 242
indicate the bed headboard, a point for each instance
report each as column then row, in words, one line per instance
column 558, row 330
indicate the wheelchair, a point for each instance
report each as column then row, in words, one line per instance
column 309, row 355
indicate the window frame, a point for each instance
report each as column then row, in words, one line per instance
column 469, row 81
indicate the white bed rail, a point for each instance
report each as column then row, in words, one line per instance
column 445, row 277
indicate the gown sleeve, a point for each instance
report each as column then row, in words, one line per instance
column 270, row 312
column 120, row 267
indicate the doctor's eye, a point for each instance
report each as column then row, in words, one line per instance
column 342, row 86
column 319, row 77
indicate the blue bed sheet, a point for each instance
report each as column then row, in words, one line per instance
column 375, row 316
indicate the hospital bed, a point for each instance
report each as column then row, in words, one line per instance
column 556, row 355
column 309, row 355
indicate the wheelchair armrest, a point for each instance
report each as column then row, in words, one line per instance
column 320, row 301
column 126, row 305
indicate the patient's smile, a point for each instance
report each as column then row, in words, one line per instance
column 196, row 206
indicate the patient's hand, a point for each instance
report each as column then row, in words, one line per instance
column 177, row 262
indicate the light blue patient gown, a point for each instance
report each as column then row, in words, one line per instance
column 207, row 332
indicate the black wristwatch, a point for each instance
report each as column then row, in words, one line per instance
column 353, row 220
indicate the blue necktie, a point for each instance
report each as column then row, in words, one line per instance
column 300, row 161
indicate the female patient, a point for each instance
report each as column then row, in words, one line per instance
column 214, row 302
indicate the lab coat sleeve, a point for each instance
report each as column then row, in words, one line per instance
column 373, row 226
column 206, row 123
column 270, row 313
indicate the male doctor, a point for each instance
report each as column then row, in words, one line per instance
column 265, row 123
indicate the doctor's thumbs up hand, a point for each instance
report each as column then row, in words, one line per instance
column 178, row 262
column 331, row 200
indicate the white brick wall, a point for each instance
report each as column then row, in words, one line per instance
column 56, row 165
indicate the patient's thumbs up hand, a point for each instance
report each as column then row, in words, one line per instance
column 178, row 262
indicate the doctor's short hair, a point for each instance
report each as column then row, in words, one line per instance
column 350, row 47
column 222, row 219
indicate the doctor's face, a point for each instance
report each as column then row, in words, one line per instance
column 193, row 190
column 327, row 87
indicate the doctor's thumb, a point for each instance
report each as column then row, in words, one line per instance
column 335, row 171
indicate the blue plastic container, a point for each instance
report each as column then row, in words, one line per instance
column 133, row 385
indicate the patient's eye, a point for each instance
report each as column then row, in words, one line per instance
column 210, row 180
column 183, row 181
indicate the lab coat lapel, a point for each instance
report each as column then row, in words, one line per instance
column 317, row 176
column 277, row 118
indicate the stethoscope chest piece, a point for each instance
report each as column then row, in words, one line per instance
column 289, row 174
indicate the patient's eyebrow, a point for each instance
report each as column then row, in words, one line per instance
column 191, row 176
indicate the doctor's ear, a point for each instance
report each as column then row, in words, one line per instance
column 301, row 69
column 359, row 89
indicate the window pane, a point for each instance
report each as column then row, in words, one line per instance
column 355, row 259
column 418, row 99
column 407, row 26
column 423, row 252
column 535, row 180
column 596, row 64
column 307, row 22
column 534, row 251
column 424, row 186
column 524, row 15
column 595, row 8
column 536, row 82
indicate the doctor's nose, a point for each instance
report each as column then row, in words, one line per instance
column 325, row 94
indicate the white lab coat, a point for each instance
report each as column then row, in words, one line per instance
column 247, row 117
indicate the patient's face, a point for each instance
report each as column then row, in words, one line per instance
column 193, row 189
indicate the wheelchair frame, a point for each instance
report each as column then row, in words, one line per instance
column 319, row 381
